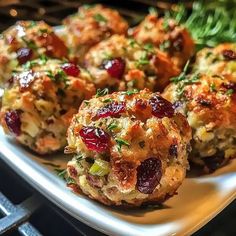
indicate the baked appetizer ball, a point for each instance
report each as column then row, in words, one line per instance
column 90, row 25
column 209, row 103
column 27, row 40
column 40, row 101
column 131, row 148
column 218, row 60
column 121, row 63
column 167, row 35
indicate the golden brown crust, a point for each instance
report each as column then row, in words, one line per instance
column 38, row 37
column 141, row 136
column 175, row 40
column 210, row 106
column 45, row 98
column 91, row 25
column 145, row 66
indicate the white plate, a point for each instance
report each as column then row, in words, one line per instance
column 197, row 202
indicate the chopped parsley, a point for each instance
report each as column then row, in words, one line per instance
column 60, row 76
column 229, row 92
column 143, row 60
column 149, row 47
column 62, row 173
column 121, row 142
column 182, row 80
column 182, row 76
column 30, row 64
column 165, row 45
column 166, row 21
column 102, row 92
column 130, row 92
column 100, row 18
column 107, row 100
column 30, row 44
column 212, row 87
column 132, row 42
column 112, row 125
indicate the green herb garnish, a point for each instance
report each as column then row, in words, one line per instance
column 229, row 92
column 130, row 92
column 107, row 100
column 212, row 87
column 217, row 17
column 112, row 126
column 121, row 142
column 132, row 42
column 149, row 47
column 164, row 46
column 100, row 18
column 62, row 173
column 102, row 92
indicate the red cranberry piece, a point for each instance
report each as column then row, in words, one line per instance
column 149, row 174
column 12, row 119
column 115, row 67
column 161, row 107
column 72, row 171
column 229, row 85
column 95, row 139
column 24, row 55
column 113, row 109
column 229, row 54
column 71, row 69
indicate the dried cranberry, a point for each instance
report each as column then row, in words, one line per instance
column 115, row 67
column 24, row 55
column 72, row 171
column 161, row 107
column 12, row 119
column 149, row 174
column 173, row 150
column 229, row 54
column 113, row 109
column 95, row 139
column 229, row 85
column 71, row 69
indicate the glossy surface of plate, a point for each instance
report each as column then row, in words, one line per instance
column 198, row 200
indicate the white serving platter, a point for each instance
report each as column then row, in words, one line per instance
column 199, row 199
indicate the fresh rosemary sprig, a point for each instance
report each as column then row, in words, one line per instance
column 210, row 22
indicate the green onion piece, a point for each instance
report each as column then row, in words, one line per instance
column 99, row 168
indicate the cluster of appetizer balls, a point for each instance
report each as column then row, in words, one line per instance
column 131, row 143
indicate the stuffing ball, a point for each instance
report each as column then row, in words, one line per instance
column 40, row 101
column 209, row 103
column 91, row 25
column 120, row 63
column 27, row 40
column 218, row 60
column 167, row 35
column 131, row 148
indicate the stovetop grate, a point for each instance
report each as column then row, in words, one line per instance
column 16, row 216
